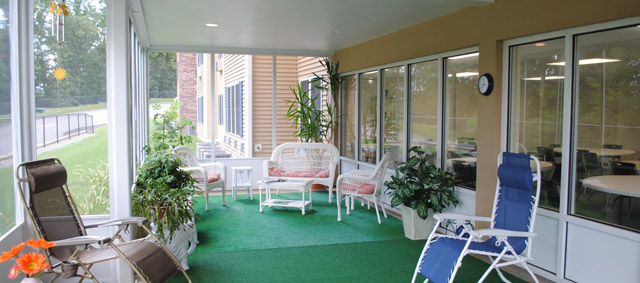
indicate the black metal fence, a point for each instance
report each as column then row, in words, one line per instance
column 55, row 128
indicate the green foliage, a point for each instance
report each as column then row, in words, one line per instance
column 169, row 131
column 162, row 75
column 312, row 124
column 95, row 177
column 82, row 55
column 420, row 185
column 163, row 192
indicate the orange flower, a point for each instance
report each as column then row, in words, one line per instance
column 42, row 244
column 32, row 263
column 14, row 271
column 13, row 252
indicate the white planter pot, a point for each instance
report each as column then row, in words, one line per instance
column 416, row 228
column 183, row 243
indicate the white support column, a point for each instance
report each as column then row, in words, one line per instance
column 213, row 96
column 119, row 110
column 23, row 97
column 248, row 108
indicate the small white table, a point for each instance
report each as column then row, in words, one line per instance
column 242, row 178
column 302, row 186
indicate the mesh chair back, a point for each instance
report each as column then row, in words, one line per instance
column 50, row 205
column 516, row 197
column 623, row 168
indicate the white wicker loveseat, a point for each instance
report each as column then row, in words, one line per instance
column 301, row 161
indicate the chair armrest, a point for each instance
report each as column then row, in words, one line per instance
column 457, row 216
column 122, row 221
column 500, row 233
column 83, row 240
column 195, row 169
column 359, row 173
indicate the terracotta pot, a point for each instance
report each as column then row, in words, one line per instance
column 318, row 187
column 163, row 209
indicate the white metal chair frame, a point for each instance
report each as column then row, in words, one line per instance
column 201, row 171
column 348, row 186
column 302, row 157
column 508, row 253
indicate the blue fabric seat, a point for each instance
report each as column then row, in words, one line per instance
column 511, row 227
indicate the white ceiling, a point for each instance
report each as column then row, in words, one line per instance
column 281, row 27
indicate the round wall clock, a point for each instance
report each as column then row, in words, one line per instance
column 485, row 84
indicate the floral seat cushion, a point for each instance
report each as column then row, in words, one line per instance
column 359, row 188
column 211, row 178
column 277, row 172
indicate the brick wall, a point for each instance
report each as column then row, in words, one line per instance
column 187, row 85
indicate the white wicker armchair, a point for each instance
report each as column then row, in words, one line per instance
column 300, row 161
column 363, row 184
column 209, row 175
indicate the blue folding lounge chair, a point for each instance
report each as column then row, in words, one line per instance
column 511, row 229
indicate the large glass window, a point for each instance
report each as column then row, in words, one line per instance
column 7, row 202
column 393, row 113
column 461, row 93
column 70, row 90
column 368, row 116
column 607, row 95
column 349, row 117
column 537, row 87
column 423, row 82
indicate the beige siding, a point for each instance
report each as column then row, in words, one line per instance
column 286, row 72
column 309, row 65
column 262, row 101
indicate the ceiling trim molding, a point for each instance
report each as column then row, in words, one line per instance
column 248, row 51
column 137, row 16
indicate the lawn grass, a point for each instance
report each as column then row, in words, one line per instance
column 77, row 155
column 160, row 100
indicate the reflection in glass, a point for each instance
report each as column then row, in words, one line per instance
column 349, row 117
column 7, row 204
column 368, row 116
column 537, row 83
column 424, row 105
column 393, row 113
column 608, row 129
column 462, row 117
column 71, row 112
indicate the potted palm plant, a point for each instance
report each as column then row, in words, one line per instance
column 421, row 189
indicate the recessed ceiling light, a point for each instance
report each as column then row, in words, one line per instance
column 334, row 31
column 211, row 25
column 539, row 44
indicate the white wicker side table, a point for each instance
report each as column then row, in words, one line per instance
column 302, row 186
column 241, row 178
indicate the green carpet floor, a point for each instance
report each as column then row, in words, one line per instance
column 240, row 244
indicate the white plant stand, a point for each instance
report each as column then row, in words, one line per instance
column 242, row 177
column 302, row 186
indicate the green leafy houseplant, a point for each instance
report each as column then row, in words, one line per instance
column 420, row 185
column 163, row 192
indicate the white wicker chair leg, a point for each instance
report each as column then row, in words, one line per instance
column 384, row 212
column 352, row 202
column 223, row 198
column 338, row 205
column 206, row 199
column 375, row 204
column 347, row 203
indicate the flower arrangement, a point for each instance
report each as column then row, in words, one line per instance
column 31, row 264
